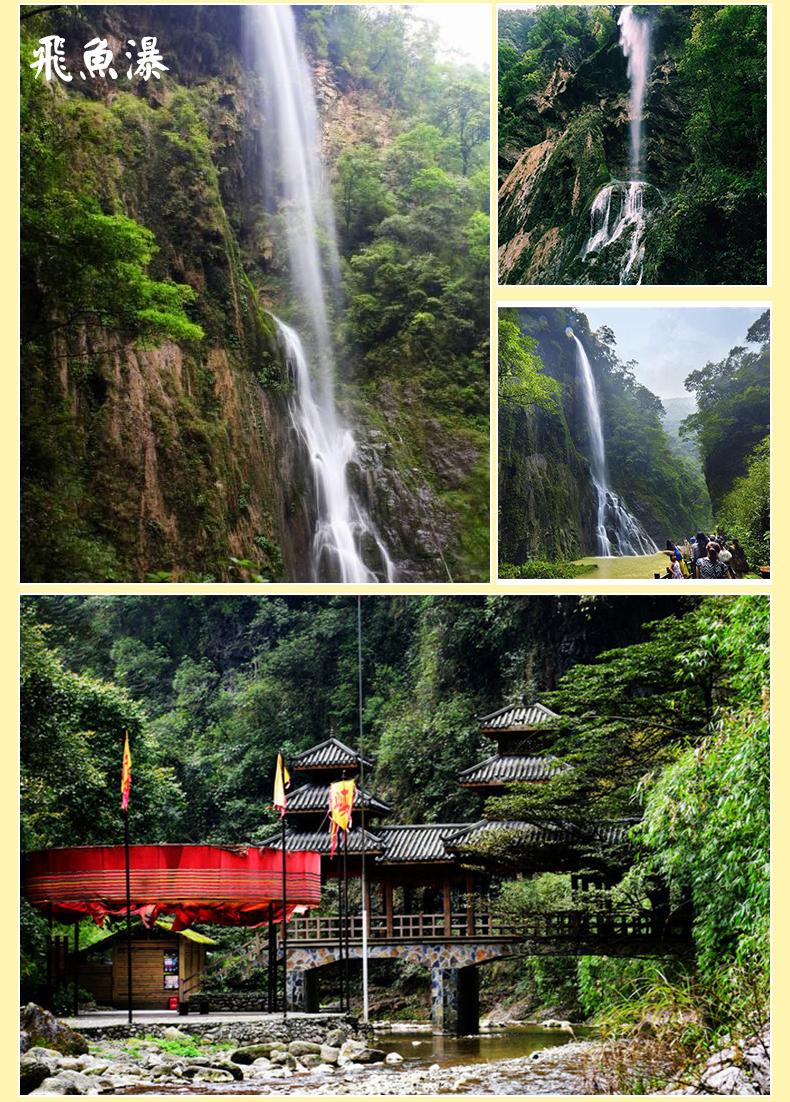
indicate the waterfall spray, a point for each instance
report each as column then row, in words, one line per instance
column 293, row 181
column 617, row 532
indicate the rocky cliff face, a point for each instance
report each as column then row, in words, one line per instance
column 546, row 198
column 546, row 507
column 170, row 462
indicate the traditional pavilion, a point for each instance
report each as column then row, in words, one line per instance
column 419, row 869
column 414, row 872
column 518, row 730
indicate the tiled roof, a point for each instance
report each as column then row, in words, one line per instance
column 434, row 843
column 422, row 842
column 331, row 754
column 315, row 797
column 517, row 717
column 608, row 832
column 297, row 841
column 509, row 768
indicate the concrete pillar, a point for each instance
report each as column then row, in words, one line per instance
column 455, row 1000
column 303, row 990
column 295, row 989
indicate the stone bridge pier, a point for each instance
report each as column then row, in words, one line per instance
column 455, row 986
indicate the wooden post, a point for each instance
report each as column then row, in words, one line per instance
column 272, row 964
column 128, row 912
column 448, row 919
column 470, row 907
column 50, row 950
column 285, row 935
column 76, row 969
column 388, row 906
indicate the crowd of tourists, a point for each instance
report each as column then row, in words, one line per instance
column 715, row 558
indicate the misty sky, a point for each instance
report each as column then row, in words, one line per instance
column 464, row 29
column 669, row 342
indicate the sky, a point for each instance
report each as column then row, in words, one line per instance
column 669, row 342
column 464, row 29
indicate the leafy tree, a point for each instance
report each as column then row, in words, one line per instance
column 746, row 509
column 733, row 410
column 706, row 825
column 72, row 732
column 519, row 368
column 79, row 263
column 624, row 715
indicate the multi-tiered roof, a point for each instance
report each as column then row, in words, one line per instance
column 517, row 729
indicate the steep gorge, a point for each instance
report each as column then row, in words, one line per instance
column 178, row 459
column 549, row 503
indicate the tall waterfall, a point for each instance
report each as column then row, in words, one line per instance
column 622, row 208
column 618, row 533
column 293, row 179
column 635, row 43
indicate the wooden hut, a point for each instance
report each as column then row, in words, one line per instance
column 165, row 965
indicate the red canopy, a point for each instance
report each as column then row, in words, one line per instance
column 232, row 885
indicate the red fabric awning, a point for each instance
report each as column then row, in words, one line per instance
column 231, row 885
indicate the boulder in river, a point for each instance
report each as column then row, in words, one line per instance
column 45, row 1030
column 357, row 1052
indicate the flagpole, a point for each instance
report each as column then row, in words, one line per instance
column 285, row 934
column 126, row 782
column 345, row 891
column 76, row 969
column 128, row 910
column 362, row 821
column 340, row 926
column 271, row 973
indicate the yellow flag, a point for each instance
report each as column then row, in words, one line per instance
column 341, row 804
column 282, row 780
column 126, row 774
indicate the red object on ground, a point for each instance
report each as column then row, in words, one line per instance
column 232, row 885
column 173, row 1002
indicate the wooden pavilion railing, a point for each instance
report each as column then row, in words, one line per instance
column 545, row 926
column 426, row 927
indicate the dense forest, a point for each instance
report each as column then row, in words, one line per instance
column 211, row 688
column 547, row 508
column 158, row 430
column 731, row 430
column 633, row 144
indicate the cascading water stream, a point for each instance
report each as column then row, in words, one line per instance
column 623, row 206
column 293, row 180
column 617, row 532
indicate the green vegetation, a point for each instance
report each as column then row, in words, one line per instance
column 154, row 399
column 733, row 411
column 663, row 705
column 545, row 500
column 531, row 43
column 519, row 374
column 746, row 509
column 537, row 569
column 680, row 737
column 714, row 229
column 562, row 80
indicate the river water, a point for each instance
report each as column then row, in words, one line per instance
column 626, row 566
column 526, row 1059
